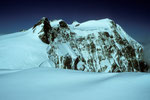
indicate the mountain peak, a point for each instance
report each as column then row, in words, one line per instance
column 43, row 27
column 95, row 45
column 41, row 21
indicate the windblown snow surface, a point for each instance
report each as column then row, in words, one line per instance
column 21, row 78
column 60, row 84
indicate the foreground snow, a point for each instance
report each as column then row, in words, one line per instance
column 59, row 84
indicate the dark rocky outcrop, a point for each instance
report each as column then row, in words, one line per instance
column 46, row 29
column 144, row 66
column 44, row 37
column 76, row 62
column 77, row 25
column 63, row 24
column 67, row 62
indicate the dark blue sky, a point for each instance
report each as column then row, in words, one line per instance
column 132, row 15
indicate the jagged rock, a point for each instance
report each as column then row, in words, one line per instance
column 76, row 62
column 63, row 24
column 144, row 67
column 40, row 22
column 46, row 29
column 67, row 62
column 46, row 26
column 44, row 38
column 93, row 46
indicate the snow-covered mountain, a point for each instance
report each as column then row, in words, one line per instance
column 96, row 45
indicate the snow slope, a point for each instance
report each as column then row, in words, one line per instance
column 21, row 50
column 60, row 84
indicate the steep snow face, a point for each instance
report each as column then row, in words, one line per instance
column 96, row 45
column 22, row 50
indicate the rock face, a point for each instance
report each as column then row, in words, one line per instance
column 63, row 24
column 46, row 29
column 93, row 46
